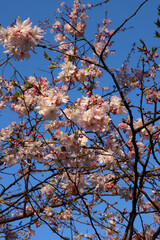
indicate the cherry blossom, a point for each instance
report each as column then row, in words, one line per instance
column 20, row 38
column 84, row 148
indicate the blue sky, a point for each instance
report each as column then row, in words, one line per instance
column 117, row 10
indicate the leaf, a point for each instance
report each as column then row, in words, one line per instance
column 158, row 10
column 52, row 65
column 142, row 59
column 28, row 85
column 157, row 34
column 73, row 106
column 154, row 49
column 70, row 58
column 14, row 84
column 18, row 94
column 158, row 23
column 80, row 88
column 140, row 49
column 144, row 45
column 142, row 42
column 45, row 55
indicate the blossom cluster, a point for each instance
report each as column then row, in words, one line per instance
column 20, row 38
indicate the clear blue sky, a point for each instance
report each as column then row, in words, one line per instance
column 118, row 10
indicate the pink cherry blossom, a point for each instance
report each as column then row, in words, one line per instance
column 20, row 38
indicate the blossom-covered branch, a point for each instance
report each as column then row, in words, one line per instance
column 85, row 148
